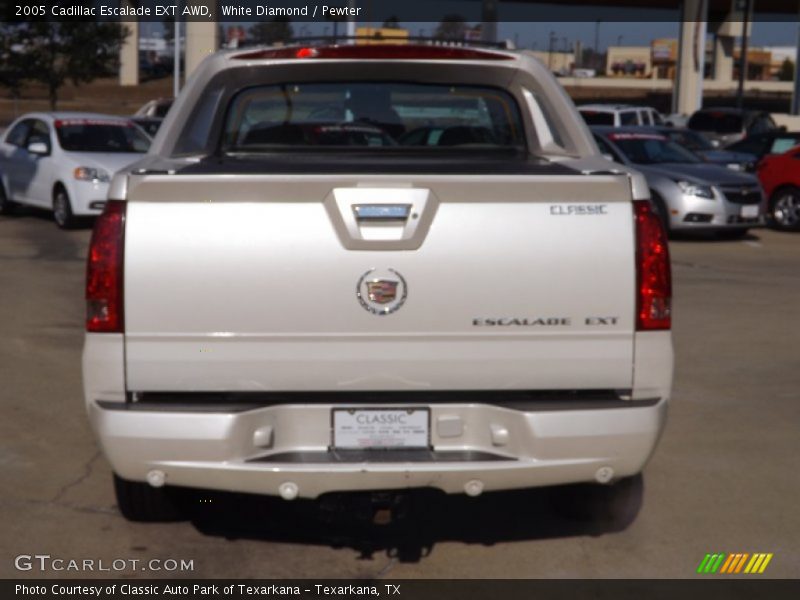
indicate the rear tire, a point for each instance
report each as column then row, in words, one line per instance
column 784, row 209
column 143, row 503
column 7, row 206
column 62, row 210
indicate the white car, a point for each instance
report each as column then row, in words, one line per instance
column 64, row 162
column 619, row 115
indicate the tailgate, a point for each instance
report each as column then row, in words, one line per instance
column 379, row 283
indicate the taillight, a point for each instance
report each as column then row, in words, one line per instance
column 653, row 277
column 104, row 271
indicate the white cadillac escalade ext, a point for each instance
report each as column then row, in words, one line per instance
column 374, row 267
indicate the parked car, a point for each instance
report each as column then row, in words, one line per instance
column 63, row 161
column 780, row 176
column 762, row 144
column 315, row 299
column 700, row 145
column 688, row 193
column 724, row 126
column 620, row 115
column 155, row 108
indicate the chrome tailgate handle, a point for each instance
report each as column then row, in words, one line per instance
column 382, row 212
column 381, row 218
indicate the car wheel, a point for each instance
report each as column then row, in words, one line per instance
column 6, row 206
column 784, row 209
column 62, row 210
column 142, row 502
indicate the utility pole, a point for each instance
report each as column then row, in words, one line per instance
column 597, row 45
column 747, row 5
column 796, row 95
column 176, row 67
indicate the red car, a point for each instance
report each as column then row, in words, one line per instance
column 780, row 176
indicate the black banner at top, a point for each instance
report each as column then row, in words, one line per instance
column 375, row 12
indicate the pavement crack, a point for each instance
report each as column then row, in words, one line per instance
column 87, row 471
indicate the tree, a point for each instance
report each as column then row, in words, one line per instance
column 787, row 70
column 13, row 65
column 391, row 23
column 451, row 27
column 273, row 32
column 75, row 51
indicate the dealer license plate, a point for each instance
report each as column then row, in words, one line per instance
column 750, row 212
column 381, row 428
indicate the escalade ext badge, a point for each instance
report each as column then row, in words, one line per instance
column 381, row 292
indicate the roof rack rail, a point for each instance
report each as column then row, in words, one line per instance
column 338, row 39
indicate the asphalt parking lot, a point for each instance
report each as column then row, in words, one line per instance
column 724, row 479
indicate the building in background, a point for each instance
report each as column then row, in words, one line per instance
column 629, row 61
column 377, row 35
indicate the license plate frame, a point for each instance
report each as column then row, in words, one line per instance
column 347, row 433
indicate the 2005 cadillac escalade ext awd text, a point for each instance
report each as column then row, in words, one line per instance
column 376, row 267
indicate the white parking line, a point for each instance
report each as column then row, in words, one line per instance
column 753, row 244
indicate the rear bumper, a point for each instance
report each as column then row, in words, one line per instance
column 258, row 450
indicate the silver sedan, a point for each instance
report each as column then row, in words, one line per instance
column 689, row 193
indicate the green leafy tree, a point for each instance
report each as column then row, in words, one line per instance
column 272, row 32
column 451, row 27
column 787, row 70
column 80, row 52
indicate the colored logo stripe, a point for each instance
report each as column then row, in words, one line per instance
column 737, row 562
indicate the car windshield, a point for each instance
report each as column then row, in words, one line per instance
column 373, row 115
column 690, row 139
column 597, row 118
column 94, row 135
column 716, row 121
column 647, row 149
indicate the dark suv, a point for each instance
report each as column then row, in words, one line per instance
column 724, row 126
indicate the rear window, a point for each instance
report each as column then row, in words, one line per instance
column 647, row 149
column 84, row 135
column 783, row 144
column 718, row 122
column 371, row 115
column 689, row 139
column 597, row 118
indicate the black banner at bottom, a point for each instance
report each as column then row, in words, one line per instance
column 442, row 589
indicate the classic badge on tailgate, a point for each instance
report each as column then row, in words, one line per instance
column 381, row 292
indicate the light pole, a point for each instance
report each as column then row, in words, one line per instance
column 747, row 5
column 597, row 44
column 176, row 67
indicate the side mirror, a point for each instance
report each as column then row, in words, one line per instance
column 39, row 148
